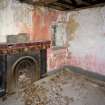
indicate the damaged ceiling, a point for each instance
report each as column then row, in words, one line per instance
column 65, row 4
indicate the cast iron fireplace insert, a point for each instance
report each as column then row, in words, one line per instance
column 15, row 59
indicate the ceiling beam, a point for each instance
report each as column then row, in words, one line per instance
column 63, row 5
column 56, row 7
column 94, row 1
column 69, row 1
column 74, row 3
column 64, row 2
column 38, row 1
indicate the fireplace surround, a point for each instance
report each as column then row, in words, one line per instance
column 21, row 58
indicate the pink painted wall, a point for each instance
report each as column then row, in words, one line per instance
column 81, row 33
column 42, row 20
column 85, row 41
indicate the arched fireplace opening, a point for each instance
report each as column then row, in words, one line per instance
column 17, row 60
column 25, row 67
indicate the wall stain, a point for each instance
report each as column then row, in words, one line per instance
column 72, row 26
column 42, row 20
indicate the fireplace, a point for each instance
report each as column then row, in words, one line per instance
column 21, row 58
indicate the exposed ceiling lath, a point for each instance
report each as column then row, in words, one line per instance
column 65, row 4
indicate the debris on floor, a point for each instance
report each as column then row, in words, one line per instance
column 61, row 88
column 51, row 91
column 44, row 92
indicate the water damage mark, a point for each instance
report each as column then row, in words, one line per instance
column 72, row 26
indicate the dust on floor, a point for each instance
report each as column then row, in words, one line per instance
column 62, row 88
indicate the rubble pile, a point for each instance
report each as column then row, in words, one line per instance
column 61, row 88
column 44, row 92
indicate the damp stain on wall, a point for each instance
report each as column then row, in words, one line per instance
column 42, row 21
column 72, row 26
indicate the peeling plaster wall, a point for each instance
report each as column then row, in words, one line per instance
column 14, row 18
column 80, row 33
column 85, row 45
column 43, row 19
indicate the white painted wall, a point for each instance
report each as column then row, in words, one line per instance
column 89, row 39
column 90, row 32
column 12, row 16
column 85, row 40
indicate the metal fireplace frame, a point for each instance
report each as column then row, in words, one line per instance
column 11, row 54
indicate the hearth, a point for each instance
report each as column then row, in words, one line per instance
column 21, row 59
